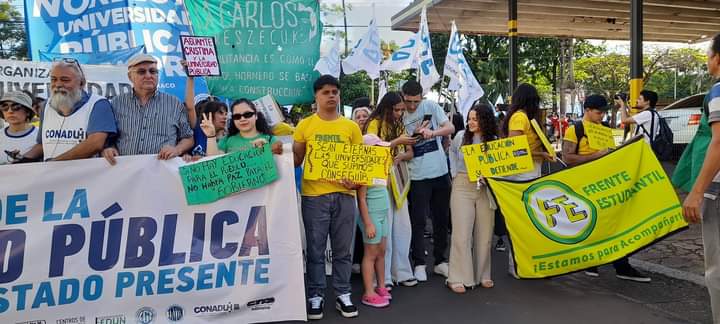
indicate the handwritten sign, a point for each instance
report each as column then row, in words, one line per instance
column 361, row 164
column 546, row 143
column 267, row 106
column 400, row 183
column 208, row 181
column 599, row 136
column 498, row 158
column 200, row 54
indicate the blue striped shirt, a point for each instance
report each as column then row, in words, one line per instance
column 147, row 129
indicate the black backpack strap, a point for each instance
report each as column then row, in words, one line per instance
column 579, row 134
column 651, row 135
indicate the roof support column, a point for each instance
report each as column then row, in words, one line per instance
column 513, row 36
column 636, row 51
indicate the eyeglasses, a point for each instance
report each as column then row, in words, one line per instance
column 70, row 60
column 145, row 71
column 11, row 107
column 246, row 115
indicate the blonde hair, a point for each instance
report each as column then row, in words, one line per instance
column 365, row 109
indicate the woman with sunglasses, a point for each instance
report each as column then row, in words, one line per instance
column 248, row 129
column 19, row 136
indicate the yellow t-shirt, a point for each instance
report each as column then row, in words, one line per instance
column 374, row 128
column 584, row 148
column 313, row 128
column 283, row 129
column 520, row 122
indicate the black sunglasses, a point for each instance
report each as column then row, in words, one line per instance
column 144, row 71
column 12, row 107
column 70, row 60
column 246, row 115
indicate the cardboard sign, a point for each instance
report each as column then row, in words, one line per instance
column 208, row 181
column 200, row 54
column 546, row 143
column 599, row 136
column 361, row 164
column 503, row 157
column 267, row 106
column 400, row 182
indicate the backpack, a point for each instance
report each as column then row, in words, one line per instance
column 580, row 132
column 662, row 143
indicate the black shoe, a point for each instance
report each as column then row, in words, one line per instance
column 500, row 245
column 345, row 306
column 629, row 273
column 592, row 272
column 315, row 308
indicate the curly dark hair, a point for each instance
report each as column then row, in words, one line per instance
column 486, row 121
column 524, row 97
column 384, row 115
column 261, row 123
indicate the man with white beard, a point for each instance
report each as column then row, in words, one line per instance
column 74, row 124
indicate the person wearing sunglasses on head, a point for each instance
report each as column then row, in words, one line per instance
column 149, row 121
column 74, row 124
column 19, row 135
column 248, row 129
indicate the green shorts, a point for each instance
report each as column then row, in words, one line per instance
column 378, row 202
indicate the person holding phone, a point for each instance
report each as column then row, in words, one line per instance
column 430, row 180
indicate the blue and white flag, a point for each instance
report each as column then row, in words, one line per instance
column 330, row 63
column 403, row 58
column 366, row 55
column 428, row 74
column 461, row 76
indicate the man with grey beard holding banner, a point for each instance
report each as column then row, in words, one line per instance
column 74, row 124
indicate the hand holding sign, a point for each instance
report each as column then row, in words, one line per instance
column 207, row 125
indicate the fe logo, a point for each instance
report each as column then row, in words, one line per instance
column 559, row 213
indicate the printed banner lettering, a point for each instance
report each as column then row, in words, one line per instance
column 210, row 180
column 200, row 55
column 589, row 215
column 99, row 244
column 498, row 158
column 263, row 46
column 361, row 164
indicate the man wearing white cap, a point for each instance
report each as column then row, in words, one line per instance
column 149, row 121
column 74, row 124
column 19, row 136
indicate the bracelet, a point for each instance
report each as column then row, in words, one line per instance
column 211, row 136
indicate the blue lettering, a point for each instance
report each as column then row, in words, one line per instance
column 78, row 205
column 44, row 295
column 217, row 250
column 184, row 277
column 48, row 215
column 204, row 280
column 111, row 245
column 4, row 304
column 226, row 274
column 124, row 280
column 13, row 239
column 245, row 265
column 257, row 223
column 198, row 242
column 69, row 291
column 167, row 256
column 141, row 231
column 261, row 271
column 144, row 283
column 164, row 281
column 14, row 208
column 21, row 291
column 92, row 288
column 60, row 247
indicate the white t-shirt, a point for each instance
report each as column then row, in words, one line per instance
column 10, row 142
column 644, row 119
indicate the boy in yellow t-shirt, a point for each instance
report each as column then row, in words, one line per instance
column 328, row 208
column 576, row 151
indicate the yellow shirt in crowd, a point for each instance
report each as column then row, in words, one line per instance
column 313, row 128
column 373, row 127
column 584, row 148
column 520, row 122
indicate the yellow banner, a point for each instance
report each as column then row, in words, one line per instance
column 589, row 215
column 400, row 183
column 599, row 136
column 546, row 143
column 361, row 164
column 499, row 158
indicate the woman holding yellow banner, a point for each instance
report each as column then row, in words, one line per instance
column 472, row 208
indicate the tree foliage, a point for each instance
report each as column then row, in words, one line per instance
column 12, row 34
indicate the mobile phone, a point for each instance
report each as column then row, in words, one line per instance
column 427, row 117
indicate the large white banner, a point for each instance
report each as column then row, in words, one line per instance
column 104, row 80
column 84, row 242
column 366, row 55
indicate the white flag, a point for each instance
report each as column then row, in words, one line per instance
column 382, row 90
column 404, row 58
column 330, row 63
column 426, row 69
column 366, row 55
column 499, row 100
column 461, row 76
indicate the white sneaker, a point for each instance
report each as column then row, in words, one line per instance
column 442, row 269
column 420, row 273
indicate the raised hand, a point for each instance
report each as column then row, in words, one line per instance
column 207, row 125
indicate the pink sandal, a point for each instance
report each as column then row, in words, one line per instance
column 375, row 301
column 384, row 293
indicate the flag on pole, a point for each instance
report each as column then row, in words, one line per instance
column 382, row 90
column 499, row 100
column 366, row 55
column 330, row 63
column 404, row 58
column 427, row 72
column 461, row 76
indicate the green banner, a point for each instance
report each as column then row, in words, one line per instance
column 208, row 181
column 264, row 46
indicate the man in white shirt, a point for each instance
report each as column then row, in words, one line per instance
column 647, row 120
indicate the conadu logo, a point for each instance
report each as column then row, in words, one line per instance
column 559, row 213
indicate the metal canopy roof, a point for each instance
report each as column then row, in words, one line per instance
column 663, row 20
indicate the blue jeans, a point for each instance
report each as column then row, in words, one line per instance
column 330, row 214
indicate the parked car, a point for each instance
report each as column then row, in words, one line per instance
column 683, row 117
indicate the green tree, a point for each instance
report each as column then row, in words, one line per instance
column 12, row 34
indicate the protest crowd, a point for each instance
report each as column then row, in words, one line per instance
column 370, row 230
